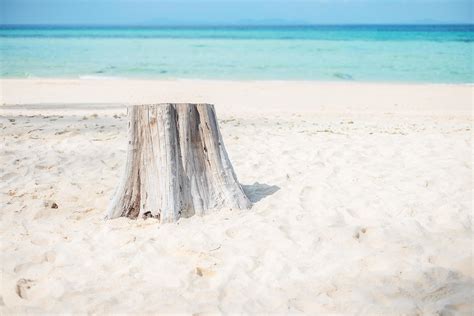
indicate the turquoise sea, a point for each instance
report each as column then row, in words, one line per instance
column 395, row 53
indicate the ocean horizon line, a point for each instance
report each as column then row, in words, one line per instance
column 236, row 25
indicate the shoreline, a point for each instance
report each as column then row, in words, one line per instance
column 309, row 81
column 248, row 97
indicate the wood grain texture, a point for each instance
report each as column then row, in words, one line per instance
column 176, row 166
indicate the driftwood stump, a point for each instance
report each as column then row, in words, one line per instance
column 176, row 165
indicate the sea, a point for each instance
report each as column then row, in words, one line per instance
column 361, row 53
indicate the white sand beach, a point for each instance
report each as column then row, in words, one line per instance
column 362, row 199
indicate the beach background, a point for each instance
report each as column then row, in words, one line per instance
column 353, row 142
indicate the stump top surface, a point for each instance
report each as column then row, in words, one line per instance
column 173, row 104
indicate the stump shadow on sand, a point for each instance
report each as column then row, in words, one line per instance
column 258, row 191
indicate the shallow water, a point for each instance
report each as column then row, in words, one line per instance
column 435, row 54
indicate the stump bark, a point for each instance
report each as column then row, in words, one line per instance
column 176, row 166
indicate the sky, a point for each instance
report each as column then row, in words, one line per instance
column 232, row 12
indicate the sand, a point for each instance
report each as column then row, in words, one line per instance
column 362, row 199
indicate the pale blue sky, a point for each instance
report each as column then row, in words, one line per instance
column 229, row 12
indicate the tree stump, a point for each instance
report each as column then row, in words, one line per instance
column 176, row 165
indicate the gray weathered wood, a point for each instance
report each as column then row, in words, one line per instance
column 176, row 165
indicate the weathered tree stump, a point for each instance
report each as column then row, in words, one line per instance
column 176, row 165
